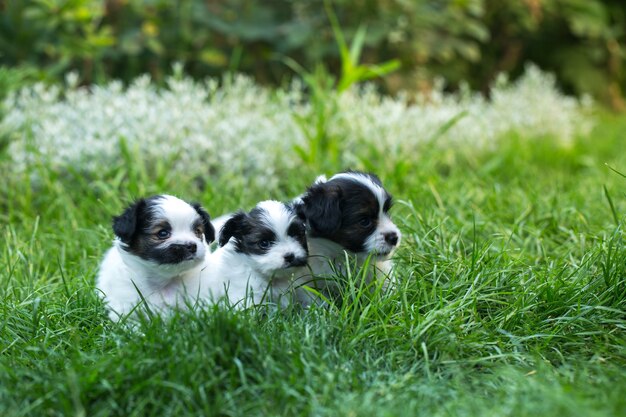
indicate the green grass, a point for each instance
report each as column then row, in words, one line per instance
column 511, row 300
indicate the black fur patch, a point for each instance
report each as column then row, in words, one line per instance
column 253, row 237
column 134, row 219
column 137, row 227
column 297, row 230
column 250, row 234
column 321, row 208
column 209, row 230
column 343, row 210
column 171, row 254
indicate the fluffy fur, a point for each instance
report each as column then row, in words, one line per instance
column 157, row 254
column 258, row 253
column 347, row 213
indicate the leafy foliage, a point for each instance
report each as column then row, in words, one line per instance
column 582, row 41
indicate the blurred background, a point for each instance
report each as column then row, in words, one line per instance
column 462, row 41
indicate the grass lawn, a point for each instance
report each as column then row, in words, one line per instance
column 511, row 300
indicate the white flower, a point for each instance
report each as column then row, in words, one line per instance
column 238, row 127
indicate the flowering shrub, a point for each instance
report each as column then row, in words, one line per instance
column 532, row 107
column 201, row 127
column 240, row 127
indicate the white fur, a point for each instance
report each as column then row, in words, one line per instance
column 326, row 257
column 123, row 276
column 376, row 189
column 247, row 279
column 376, row 243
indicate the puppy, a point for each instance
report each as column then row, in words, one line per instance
column 258, row 253
column 349, row 212
column 157, row 255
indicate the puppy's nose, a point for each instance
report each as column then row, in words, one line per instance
column 391, row 238
column 191, row 247
column 289, row 257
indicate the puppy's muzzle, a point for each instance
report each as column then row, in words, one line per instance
column 291, row 260
column 184, row 251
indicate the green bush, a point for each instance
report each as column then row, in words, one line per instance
column 461, row 40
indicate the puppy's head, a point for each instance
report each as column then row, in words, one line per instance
column 271, row 234
column 164, row 230
column 352, row 210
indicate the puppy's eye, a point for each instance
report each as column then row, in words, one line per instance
column 264, row 244
column 365, row 222
column 163, row 234
column 198, row 231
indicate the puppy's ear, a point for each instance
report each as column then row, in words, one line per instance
column 321, row 208
column 234, row 227
column 125, row 225
column 209, row 231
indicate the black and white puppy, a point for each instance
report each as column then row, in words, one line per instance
column 348, row 212
column 158, row 253
column 258, row 253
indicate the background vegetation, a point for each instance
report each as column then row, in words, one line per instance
column 465, row 41
column 512, row 270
